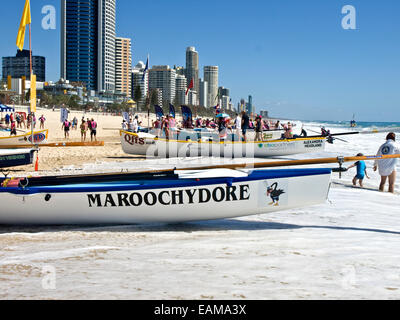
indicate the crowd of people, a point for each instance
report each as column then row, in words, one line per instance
column 19, row 121
column 223, row 124
column 85, row 126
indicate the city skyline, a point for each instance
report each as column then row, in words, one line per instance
column 295, row 59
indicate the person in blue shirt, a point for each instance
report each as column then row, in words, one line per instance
column 361, row 171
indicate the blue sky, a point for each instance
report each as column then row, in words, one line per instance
column 292, row 56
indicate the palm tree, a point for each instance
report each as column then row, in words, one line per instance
column 137, row 94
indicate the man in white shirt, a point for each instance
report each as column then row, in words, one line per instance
column 135, row 125
column 238, row 125
column 387, row 167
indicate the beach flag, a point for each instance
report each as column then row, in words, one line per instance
column 158, row 111
column 191, row 85
column 186, row 113
column 217, row 109
column 146, row 68
column 25, row 20
column 171, row 110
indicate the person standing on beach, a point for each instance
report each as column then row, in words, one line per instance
column 93, row 130
column 238, row 126
column 387, row 167
column 245, row 125
column 84, row 129
column 7, row 119
column 259, row 129
column 135, row 125
column 157, row 127
column 13, row 129
column 66, row 126
column 75, row 123
column 42, row 119
column 165, row 127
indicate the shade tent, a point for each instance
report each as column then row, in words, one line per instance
column 4, row 108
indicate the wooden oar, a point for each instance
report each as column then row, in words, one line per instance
column 331, row 135
column 57, row 144
column 286, row 163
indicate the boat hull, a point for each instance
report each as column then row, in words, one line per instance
column 178, row 200
column 151, row 146
column 39, row 137
column 16, row 157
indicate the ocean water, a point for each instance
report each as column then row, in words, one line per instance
column 346, row 248
column 360, row 125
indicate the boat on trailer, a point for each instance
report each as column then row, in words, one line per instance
column 24, row 140
column 153, row 146
column 162, row 197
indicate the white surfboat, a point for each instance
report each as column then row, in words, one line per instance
column 168, row 197
column 39, row 137
column 152, row 146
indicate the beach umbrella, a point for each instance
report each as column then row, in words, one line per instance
column 223, row 115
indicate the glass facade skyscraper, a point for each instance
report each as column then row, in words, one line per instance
column 87, row 32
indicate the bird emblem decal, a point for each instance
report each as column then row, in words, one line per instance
column 274, row 193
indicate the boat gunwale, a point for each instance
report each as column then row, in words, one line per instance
column 224, row 142
column 256, row 175
column 27, row 134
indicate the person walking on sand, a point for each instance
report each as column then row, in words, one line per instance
column 361, row 171
column 387, row 167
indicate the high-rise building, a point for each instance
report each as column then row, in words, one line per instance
column 107, row 50
column 19, row 66
column 203, row 93
column 180, row 87
column 225, row 103
column 249, row 106
column 138, row 80
column 211, row 76
column 192, row 98
column 192, row 67
column 180, row 71
column 164, row 78
column 88, row 43
column 223, row 92
column 123, row 66
column 264, row 114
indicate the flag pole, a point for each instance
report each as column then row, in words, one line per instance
column 31, row 72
